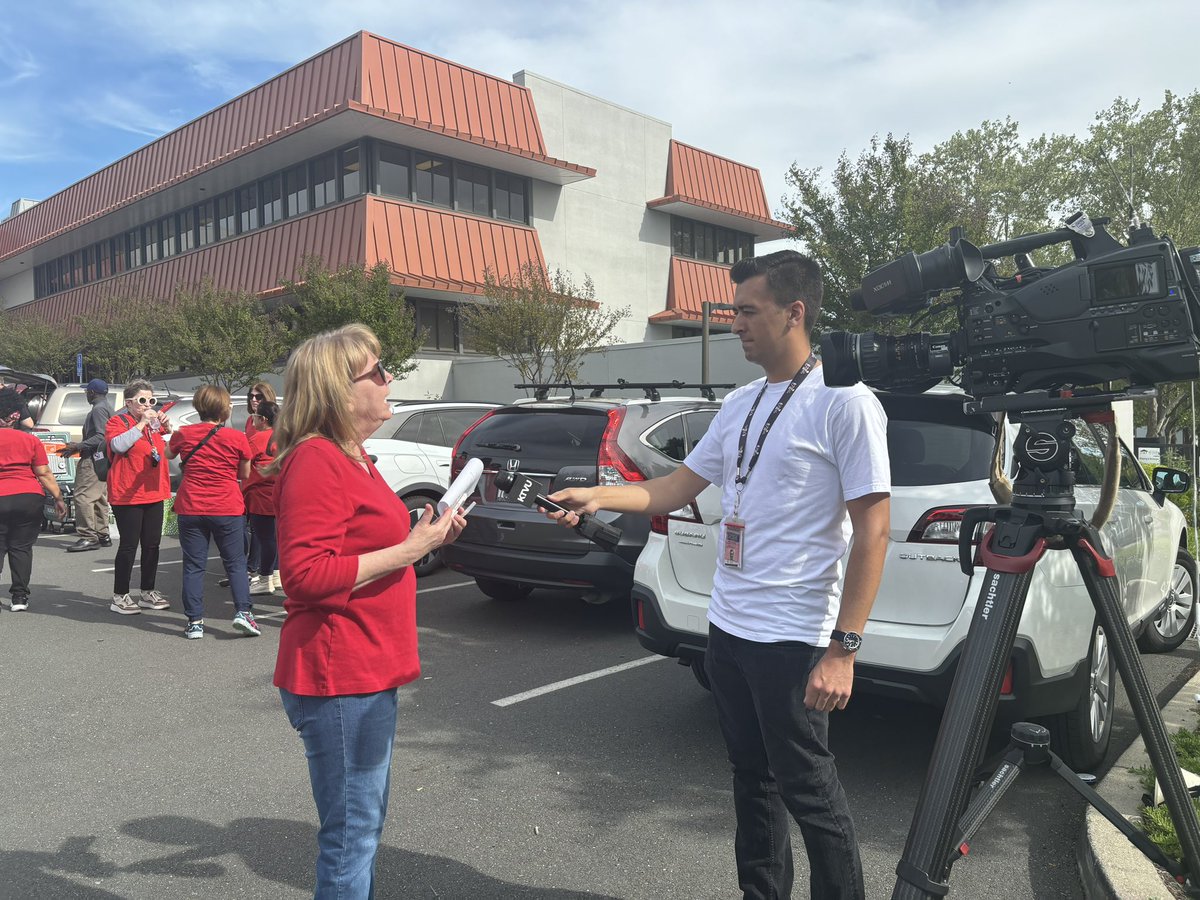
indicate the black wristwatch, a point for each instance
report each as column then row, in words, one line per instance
column 850, row 640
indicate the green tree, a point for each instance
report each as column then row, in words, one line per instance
column 320, row 299
column 540, row 322
column 127, row 337
column 225, row 338
column 29, row 344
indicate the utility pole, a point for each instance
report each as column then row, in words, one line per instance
column 705, row 318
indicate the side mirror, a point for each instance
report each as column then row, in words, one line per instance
column 1170, row 481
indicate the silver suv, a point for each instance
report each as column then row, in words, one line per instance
column 567, row 442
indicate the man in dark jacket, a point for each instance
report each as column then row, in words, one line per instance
column 91, row 494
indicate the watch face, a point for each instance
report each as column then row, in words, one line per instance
column 852, row 641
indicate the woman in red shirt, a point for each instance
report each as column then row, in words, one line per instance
column 210, row 507
column 138, row 484
column 350, row 636
column 259, row 491
column 259, row 394
column 24, row 472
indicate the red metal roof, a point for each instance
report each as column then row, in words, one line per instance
column 713, row 182
column 365, row 73
column 253, row 262
column 693, row 282
column 442, row 250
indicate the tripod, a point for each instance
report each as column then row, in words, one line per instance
column 1041, row 516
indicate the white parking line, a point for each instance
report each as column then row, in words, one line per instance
column 173, row 562
column 578, row 679
column 446, row 587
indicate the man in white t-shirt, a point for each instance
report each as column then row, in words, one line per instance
column 803, row 468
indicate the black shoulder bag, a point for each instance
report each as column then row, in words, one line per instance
column 207, row 438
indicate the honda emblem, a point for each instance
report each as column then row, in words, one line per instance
column 513, row 465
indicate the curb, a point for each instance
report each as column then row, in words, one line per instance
column 1110, row 867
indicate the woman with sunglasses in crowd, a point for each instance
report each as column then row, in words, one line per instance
column 350, row 636
column 259, row 491
column 259, row 394
column 139, row 483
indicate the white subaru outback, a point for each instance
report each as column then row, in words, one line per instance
column 1061, row 671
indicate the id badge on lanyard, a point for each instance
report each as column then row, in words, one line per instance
column 733, row 537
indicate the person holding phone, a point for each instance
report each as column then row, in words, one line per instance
column 346, row 552
column 138, row 484
column 25, row 477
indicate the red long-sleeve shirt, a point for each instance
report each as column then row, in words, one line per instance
column 335, row 640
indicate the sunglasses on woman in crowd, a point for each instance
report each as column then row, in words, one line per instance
column 376, row 369
column 147, row 401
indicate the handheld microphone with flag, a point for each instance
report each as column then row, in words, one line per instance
column 529, row 492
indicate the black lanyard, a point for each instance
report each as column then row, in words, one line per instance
column 797, row 380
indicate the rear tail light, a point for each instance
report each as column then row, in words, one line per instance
column 457, row 459
column 1006, row 686
column 641, row 615
column 689, row 513
column 615, row 467
column 939, row 526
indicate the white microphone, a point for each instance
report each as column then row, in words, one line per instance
column 462, row 487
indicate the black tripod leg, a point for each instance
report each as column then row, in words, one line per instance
column 925, row 865
column 1102, row 586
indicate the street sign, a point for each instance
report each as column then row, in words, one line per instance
column 79, row 367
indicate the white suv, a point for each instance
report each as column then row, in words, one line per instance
column 1061, row 670
column 412, row 452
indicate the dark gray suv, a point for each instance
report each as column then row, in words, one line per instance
column 511, row 549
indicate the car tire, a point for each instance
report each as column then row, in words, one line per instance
column 1175, row 624
column 503, row 590
column 700, row 673
column 1081, row 735
column 431, row 561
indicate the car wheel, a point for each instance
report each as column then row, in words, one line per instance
column 700, row 674
column 1081, row 735
column 503, row 590
column 431, row 561
column 1172, row 628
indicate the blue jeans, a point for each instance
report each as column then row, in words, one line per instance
column 348, row 742
column 781, row 764
column 229, row 534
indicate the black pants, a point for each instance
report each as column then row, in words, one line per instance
column 20, row 522
column 781, row 764
column 139, row 524
column 264, row 535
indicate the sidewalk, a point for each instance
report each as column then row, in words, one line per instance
column 1110, row 866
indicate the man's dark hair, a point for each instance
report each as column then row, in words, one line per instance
column 268, row 411
column 791, row 276
column 10, row 402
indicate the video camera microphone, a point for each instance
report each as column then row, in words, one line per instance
column 528, row 492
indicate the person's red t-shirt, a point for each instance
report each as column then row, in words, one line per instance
column 250, row 429
column 210, row 478
column 337, row 640
column 258, row 490
column 133, row 478
column 20, row 451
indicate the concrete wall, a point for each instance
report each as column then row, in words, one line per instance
column 671, row 360
column 600, row 227
column 16, row 290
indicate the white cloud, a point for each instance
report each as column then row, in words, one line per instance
column 124, row 113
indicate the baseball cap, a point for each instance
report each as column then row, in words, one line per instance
column 98, row 386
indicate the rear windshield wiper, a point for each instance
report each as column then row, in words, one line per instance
column 515, row 448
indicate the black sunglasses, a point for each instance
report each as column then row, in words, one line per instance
column 254, row 395
column 376, row 369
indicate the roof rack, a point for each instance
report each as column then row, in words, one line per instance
column 651, row 389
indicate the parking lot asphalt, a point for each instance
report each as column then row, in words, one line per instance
column 140, row 765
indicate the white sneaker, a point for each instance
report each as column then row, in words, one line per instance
column 153, row 600
column 123, row 604
column 261, row 584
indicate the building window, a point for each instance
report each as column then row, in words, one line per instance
column 393, row 171
column 511, row 197
column 439, row 322
column 248, row 208
column 120, row 261
column 206, row 224
column 324, row 181
column 168, row 231
column 187, row 230
column 432, row 178
column 472, row 189
column 351, row 171
column 699, row 240
column 150, row 243
column 270, row 192
column 89, row 265
column 133, row 249
column 226, row 216
column 295, row 189
column 103, row 259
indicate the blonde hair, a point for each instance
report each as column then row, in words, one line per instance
column 319, row 385
column 213, row 403
column 268, row 394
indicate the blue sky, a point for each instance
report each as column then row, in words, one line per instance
column 82, row 84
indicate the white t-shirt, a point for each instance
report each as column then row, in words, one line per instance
column 829, row 445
